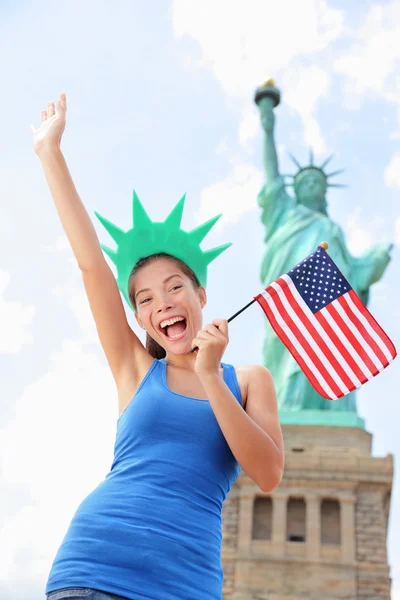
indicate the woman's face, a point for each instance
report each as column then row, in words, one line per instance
column 164, row 293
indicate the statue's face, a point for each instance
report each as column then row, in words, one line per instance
column 311, row 190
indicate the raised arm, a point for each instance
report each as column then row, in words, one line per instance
column 270, row 155
column 122, row 347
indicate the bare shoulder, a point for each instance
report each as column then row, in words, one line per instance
column 255, row 376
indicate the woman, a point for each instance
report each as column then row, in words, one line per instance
column 187, row 422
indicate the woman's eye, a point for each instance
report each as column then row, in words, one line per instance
column 143, row 301
column 176, row 287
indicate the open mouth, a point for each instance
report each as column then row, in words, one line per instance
column 174, row 328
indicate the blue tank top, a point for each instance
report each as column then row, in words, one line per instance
column 151, row 530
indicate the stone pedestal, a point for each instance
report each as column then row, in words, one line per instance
column 339, row 552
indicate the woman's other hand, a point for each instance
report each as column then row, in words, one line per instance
column 211, row 342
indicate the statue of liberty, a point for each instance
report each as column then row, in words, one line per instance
column 294, row 226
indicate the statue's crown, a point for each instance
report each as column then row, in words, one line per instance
column 312, row 167
column 147, row 238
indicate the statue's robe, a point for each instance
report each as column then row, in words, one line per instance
column 292, row 232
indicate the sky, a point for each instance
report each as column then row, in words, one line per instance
column 160, row 100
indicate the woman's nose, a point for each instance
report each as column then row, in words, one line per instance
column 163, row 305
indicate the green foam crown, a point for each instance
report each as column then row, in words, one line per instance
column 147, row 237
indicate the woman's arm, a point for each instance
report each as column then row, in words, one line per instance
column 74, row 218
column 253, row 435
column 122, row 347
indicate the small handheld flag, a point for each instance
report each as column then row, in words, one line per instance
column 331, row 334
column 325, row 326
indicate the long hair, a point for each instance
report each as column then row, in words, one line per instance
column 152, row 347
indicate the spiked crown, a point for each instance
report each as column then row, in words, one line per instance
column 148, row 237
column 312, row 167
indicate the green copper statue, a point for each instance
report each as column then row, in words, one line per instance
column 294, row 227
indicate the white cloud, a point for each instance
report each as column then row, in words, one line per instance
column 397, row 231
column 392, row 172
column 249, row 128
column 15, row 320
column 235, row 195
column 371, row 62
column 60, row 443
column 262, row 41
column 361, row 233
column 304, row 87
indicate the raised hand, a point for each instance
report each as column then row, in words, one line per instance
column 53, row 124
column 267, row 114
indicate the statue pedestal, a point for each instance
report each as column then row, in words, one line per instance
column 330, row 418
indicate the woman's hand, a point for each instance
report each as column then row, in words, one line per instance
column 211, row 342
column 52, row 127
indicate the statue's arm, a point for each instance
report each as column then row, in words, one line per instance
column 270, row 154
column 273, row 199
column 369, row 268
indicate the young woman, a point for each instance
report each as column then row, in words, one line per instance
column 187, row 421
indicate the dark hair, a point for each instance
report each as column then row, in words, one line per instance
column 152, row 347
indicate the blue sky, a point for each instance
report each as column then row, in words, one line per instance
column 160, row 99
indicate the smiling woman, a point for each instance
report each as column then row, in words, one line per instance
column 170, row 286
column 188, row 422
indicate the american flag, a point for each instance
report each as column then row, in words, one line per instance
column 321, row 320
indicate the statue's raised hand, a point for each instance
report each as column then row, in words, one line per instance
column 52, row 127
column 267, row 114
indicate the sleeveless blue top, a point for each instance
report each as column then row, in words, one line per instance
column 151, row 530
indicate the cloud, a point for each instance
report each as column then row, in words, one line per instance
column 249, row 128
column 234, row 195
column 54, row 450
column 15, row 320
column 392, row 172
column 261, row 41
column 397, row 231
column 371, row 62
column 363, row 232
column 304, row 87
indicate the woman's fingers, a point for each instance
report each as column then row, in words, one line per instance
column 50, row 109
column 44, row 115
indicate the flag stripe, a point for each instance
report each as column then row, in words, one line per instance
column 283, row 333
column 356, row 362
column 304, row 343
column 300, row 314
column 369, row 356
column 362, row 329
column 373, row 327
column 339, row 360
column 301, row 345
